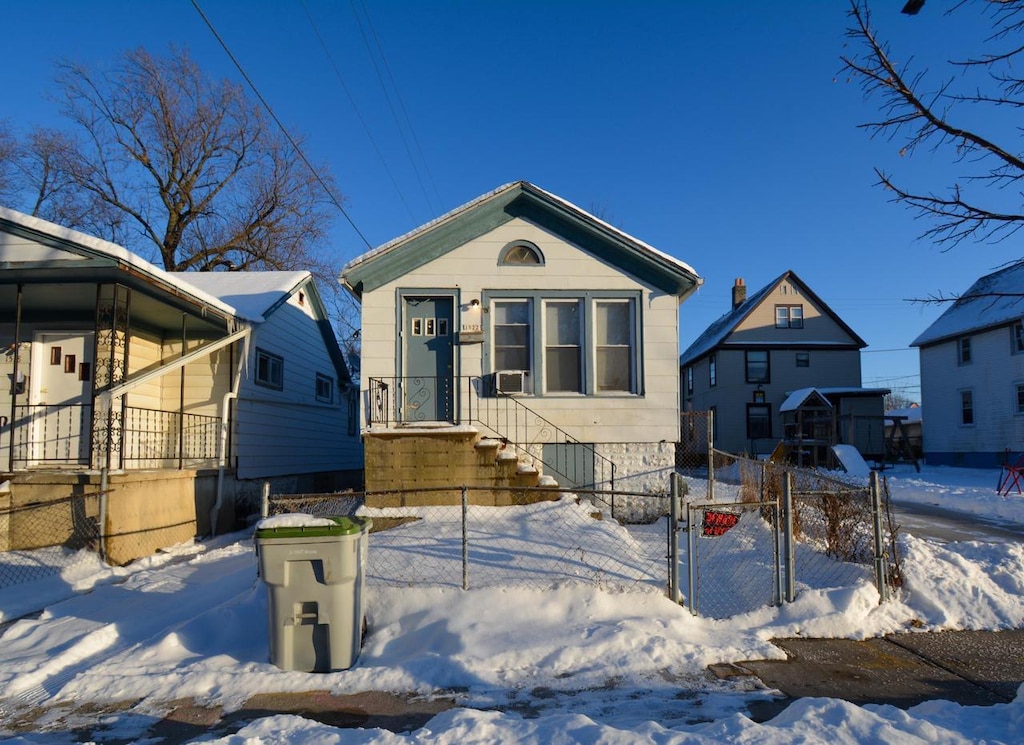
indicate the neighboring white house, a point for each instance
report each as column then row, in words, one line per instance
column 756, row 367
column 525, row 316
column 972, row 375
column 174, row 392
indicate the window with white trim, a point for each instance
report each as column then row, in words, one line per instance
column 789, row 316
column 967, row 407
column 1018, row 337
column 324, row 388
column 963, row 350
column 269, row 369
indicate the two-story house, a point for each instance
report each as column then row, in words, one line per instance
column 782, row 367
column 972, row 374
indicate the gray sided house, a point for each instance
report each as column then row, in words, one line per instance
column 781, row 372
column 155, row 400
column 519, row 322
column 972, row 375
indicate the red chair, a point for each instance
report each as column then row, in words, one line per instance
column 1011, row 475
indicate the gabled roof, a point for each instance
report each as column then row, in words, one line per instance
column 715, row 334
column 801, row 396
column 253, row 295
column 30, row 244
column 997, row 299
column 518, row 199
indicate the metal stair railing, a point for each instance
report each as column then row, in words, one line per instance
column 519, row 426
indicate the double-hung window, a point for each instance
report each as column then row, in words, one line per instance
column 512, row 332
column 613, row 331
column 712, row 370
column 789, row 316
column 269, row 369
column 571, row 343
column 967, row 407
column 1018, row 338
column 758, row 369
column 963, row 350
column 563, row 357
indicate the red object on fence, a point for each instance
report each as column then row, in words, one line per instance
column 1011, row 475
column 716, row 522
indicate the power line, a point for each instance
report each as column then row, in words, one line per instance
column 284, row 130
column 387, row 96
column 355, row 108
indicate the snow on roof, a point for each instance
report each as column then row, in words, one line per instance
column 718, row 330
column 797, row 398
column 994, row 300
column 681, row 265
column 251, row 294
column 115, row 251
column 911, row 413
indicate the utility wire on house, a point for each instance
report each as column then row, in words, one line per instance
column 391, row 105
column 284, row 130
column 355, row 108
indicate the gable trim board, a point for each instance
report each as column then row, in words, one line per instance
column 518, row 199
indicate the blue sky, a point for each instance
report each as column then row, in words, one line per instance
column 721, row 133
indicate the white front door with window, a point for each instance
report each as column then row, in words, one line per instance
column 60, row 397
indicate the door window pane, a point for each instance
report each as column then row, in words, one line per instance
column 562, row 357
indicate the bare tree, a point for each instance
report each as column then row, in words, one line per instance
column 919, row 112
column 169, row 162
column 9, row 157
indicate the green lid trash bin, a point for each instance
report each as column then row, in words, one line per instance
column 314, row 572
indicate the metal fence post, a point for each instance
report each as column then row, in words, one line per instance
column 788, row 553
column 691, row 557
column 673, row 542
column 465, row 538
column 876, row 520
column 711, row 456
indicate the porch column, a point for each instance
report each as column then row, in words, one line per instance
column 14, row 379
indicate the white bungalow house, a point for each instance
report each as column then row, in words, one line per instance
column 972, row 375
column 521, row 321
column 781, row 373
column 156, row 403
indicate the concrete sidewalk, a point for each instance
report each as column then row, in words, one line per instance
column 968, row 667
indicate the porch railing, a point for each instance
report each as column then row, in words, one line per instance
column 60, row 435
column 503, row 416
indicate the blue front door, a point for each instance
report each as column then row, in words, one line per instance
column 428, row 380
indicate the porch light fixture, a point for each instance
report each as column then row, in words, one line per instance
column 474, row 303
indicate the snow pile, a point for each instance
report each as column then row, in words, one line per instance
column 571, row 663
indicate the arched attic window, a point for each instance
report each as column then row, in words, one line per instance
column 520, row 253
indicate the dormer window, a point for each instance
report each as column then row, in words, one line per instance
column 520, row 253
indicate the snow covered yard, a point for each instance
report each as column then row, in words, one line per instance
column 564, row 663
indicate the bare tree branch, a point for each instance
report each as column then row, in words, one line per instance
column 917, row 116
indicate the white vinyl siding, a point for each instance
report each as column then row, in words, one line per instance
column 282, row 432
column 651, row 415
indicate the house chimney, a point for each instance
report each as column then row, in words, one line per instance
column 739, row 293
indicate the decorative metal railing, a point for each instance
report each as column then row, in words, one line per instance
column 474, row 400
column 61, row 435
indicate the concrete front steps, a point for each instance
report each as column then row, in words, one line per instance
column 428, row 465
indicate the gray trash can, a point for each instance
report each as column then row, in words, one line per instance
column 315, row 579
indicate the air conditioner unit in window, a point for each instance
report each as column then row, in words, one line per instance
column 512, row 381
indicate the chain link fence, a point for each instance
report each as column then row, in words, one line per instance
column 48, row 540
column 540, row 538
column 825, row 532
